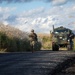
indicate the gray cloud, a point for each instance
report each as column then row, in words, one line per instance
column 54, row 2
column 15, row 1
column 9, row 1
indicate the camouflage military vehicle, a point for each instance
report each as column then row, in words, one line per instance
column 59, row 38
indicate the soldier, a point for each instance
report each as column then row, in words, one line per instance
column 70, row 41
column 33, row 39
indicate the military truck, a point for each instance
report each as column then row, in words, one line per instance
column 59, row 37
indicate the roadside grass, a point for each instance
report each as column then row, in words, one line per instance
column 47, row 45
column 74, row 44
column 3, row 50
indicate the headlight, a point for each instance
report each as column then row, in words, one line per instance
column 64, row 38
column 60, row 37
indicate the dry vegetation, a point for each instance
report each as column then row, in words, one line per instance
column 46, row 41
column 74, row 43
column 14, row 40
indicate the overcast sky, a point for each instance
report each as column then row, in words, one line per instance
column 39, row 15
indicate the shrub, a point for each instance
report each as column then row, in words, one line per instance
column 14, row 44
column 46, row 40
column 37, row 46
